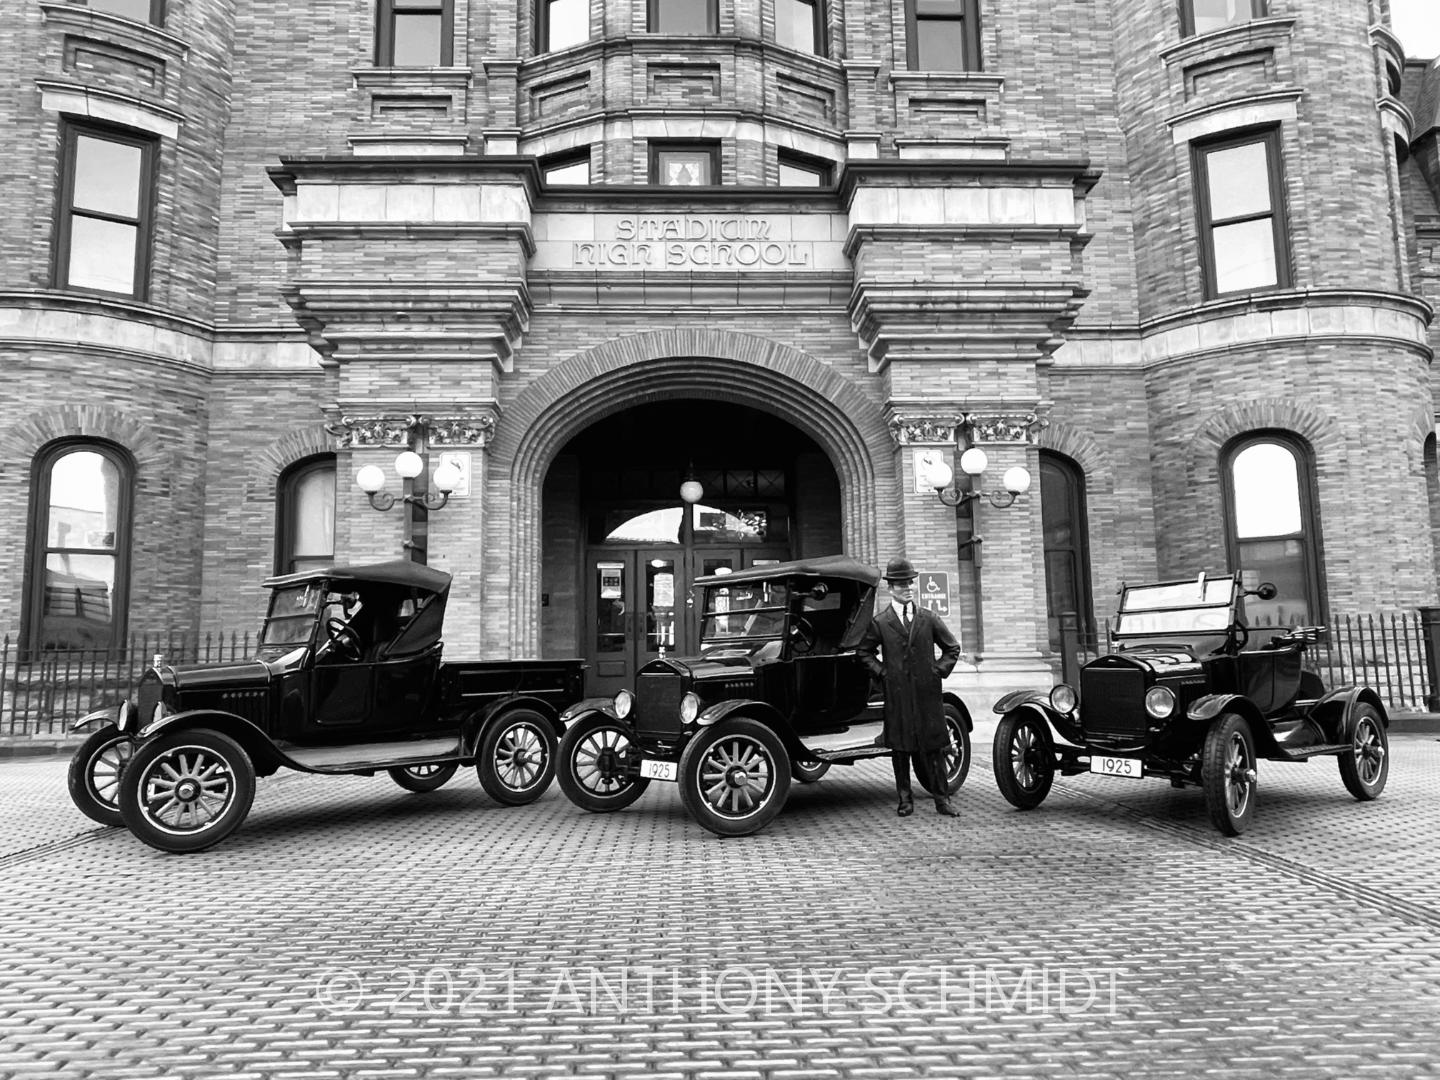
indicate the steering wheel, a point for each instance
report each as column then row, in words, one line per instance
column 802, row 635
column 344, row 638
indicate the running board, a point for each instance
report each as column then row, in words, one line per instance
column 856, row 741
column 1302, row 753
column 363, row 757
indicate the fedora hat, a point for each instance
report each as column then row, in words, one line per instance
column 900, row 570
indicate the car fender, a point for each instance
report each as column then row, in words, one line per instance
column 263, row 753
column 1334, row 710
column 473, row 727
column 954, row 699
column 761, row 712
column 1204, row 710
column 1017, row 698
column 120, row 714
column 588, row 706
column 498, row 709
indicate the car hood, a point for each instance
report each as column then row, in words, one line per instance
column 1166, row 660
column 235, row 674
column 705, row 668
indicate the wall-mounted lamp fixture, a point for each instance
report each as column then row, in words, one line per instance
column 973, row 462
column 414, row 496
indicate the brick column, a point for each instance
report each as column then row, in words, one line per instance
column 928, row 526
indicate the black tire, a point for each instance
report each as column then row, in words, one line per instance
column 734, row 776
column 1366, row 765
column 423, row 778
column 808, row 772
column 1228, row 774
column 516, row 761
column 1024, row 759
column 592, row 765
column 187, row 790
column 95, row 774
column 957, row 755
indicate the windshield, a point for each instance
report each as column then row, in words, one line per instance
column 1204, row 606
column 753, row 612
column 293, row 612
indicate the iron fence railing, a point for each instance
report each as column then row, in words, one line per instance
column 1385, row 652
column 44, row 693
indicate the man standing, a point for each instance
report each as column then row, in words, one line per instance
column 906, row 635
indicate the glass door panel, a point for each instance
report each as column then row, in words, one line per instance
column 664, row 628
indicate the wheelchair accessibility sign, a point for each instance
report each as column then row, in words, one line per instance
column 933, row 590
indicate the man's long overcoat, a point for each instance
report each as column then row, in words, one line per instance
column 914, row 714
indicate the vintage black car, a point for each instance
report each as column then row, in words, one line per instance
column 1181, row 697
column 347, row 678
column 777, row 691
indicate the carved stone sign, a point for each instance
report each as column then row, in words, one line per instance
column 688, row 242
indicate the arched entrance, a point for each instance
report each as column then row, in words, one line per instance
column 617, row 524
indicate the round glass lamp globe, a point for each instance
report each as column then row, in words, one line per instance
column 409, row 465
column 692, row 491
column 446, row 477
column 940, row 475
column 1017, row 479
column 371, row 479
column 973, row 461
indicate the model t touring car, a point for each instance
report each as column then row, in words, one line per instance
column 1181, row 697
column 347, row 678
column 777, row 692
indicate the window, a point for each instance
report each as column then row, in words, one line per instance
column 1202, row 16
column 683, row 17
column 103, row 236
column 801, row 170
column 79, row 549
column 942, row 35
column 1067, row 557
column 800, row 25
column 415, row 33
column 684, row 164
column 1273, row 535
column 146, row 11
column 572, row 167
column 1242, row 228
column 305, row 526
column 561, row 23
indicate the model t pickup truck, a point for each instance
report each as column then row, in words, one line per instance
column 777, row 692
column 1181, row 697
column 347, row 678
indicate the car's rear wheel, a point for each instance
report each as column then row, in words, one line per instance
column 734, row 777
column 95, row 772
column 1024, row 758
column 807, row 772
column 593, row 765
column 517, row 757
column 957, row 755
column 423, row 778
column 1228, row 774
column 1366, row 765
column 188, row 790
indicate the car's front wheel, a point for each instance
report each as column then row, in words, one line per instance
column 1228, row 774
column 516, row 761
column 1024, row 758
column 1365, row 767
column 188, row 790
column 423, row 778
column 957, row 755
column 95, row 772
column 594, row 765
column 734, row 777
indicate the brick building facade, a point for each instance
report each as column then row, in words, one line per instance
column 1030, row 227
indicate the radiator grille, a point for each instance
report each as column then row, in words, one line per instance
column 657, row 704
column 1113, row 700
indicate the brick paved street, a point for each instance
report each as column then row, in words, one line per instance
column 354, row 930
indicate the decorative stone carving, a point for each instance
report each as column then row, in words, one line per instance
column 399, row 431
column 1004, row 428
column 461, row 430
column 908, row 430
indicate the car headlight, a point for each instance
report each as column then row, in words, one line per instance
column 1159, row 702
column 689, row 708
column 624, row 702
column 1064, row 699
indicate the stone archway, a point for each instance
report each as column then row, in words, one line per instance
column 721, row 365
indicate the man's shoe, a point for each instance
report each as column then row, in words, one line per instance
column 906, row 807
column 946, row 808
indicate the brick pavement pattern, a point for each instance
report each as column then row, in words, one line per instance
column 352, row 930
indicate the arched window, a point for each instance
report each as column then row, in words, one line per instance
column 305, row 512
column 1272, row 533
column 78, row 568
column 1067, row 557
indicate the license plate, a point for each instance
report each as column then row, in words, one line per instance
column 657, row 770
column 1116, row 766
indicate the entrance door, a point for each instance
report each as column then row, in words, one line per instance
column 639, row 603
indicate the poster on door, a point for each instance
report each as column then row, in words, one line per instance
column 662, row 591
